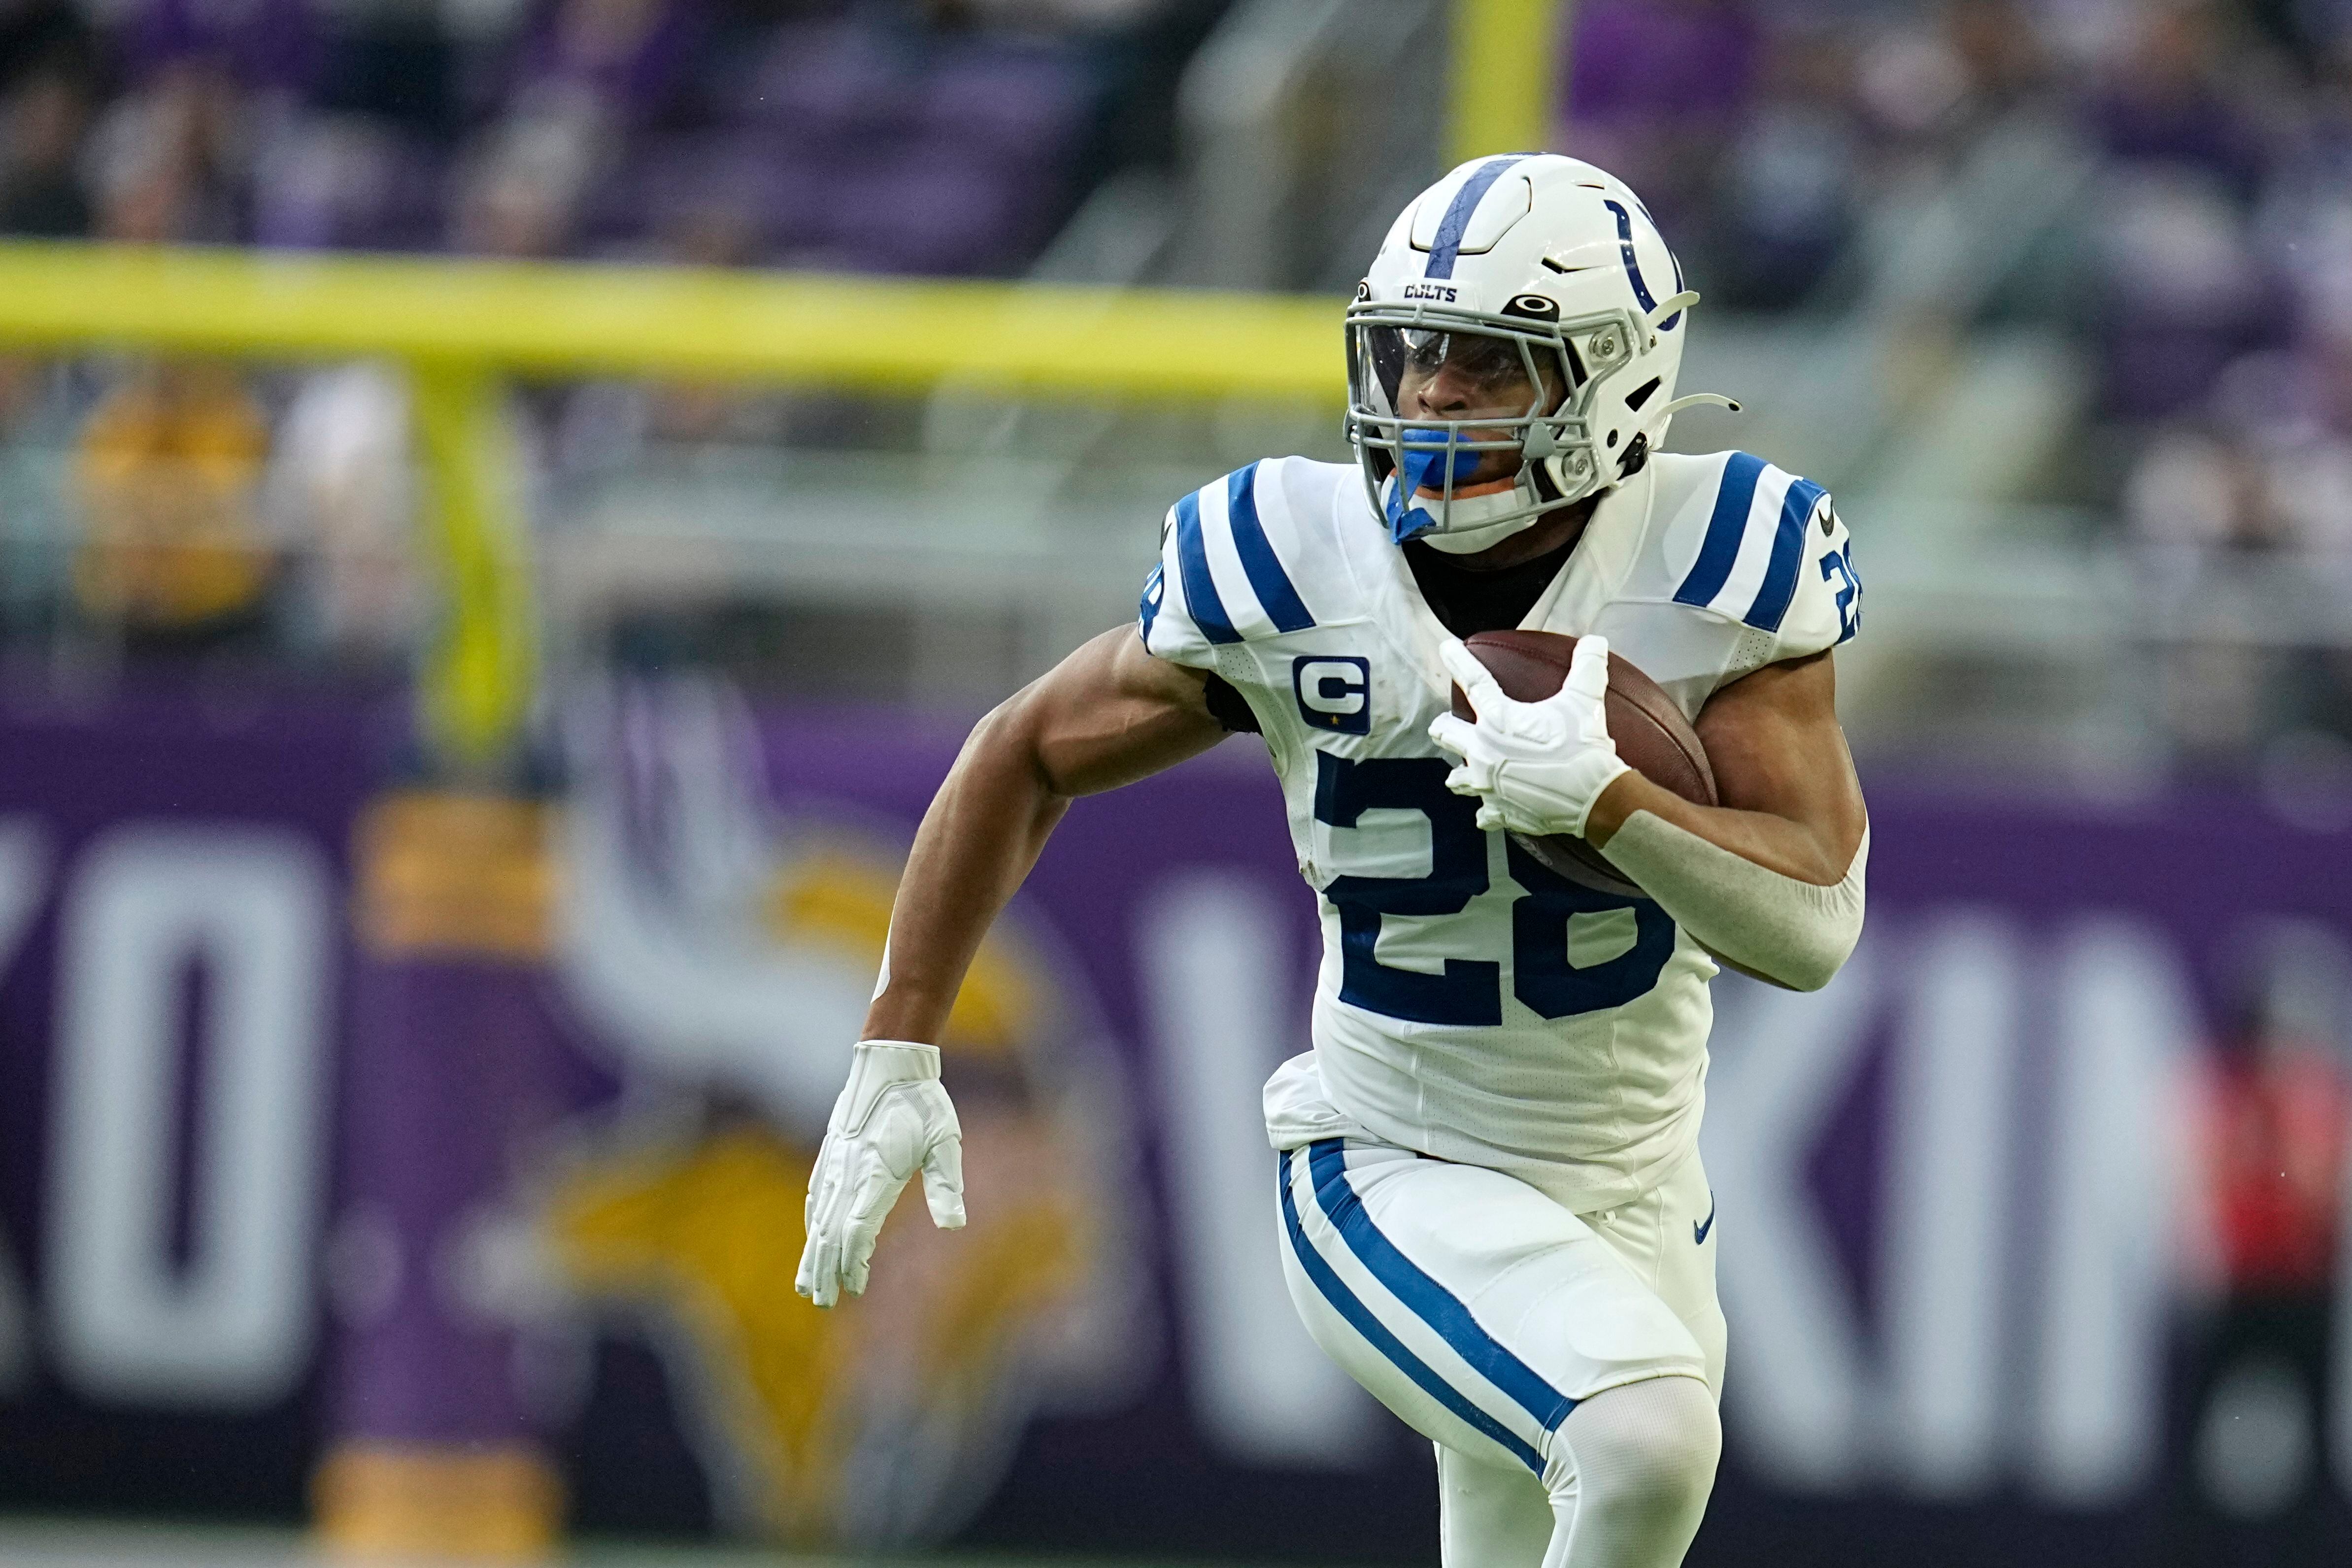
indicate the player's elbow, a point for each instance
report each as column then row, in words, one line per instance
column 1812, row 963
column 1815, row 947
column 1805, row 943
column 1007, row 743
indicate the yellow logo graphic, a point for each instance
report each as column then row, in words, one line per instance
column 889, row 1418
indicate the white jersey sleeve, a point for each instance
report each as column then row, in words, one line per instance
column 1827, row 609
column 1765, row 548
column 1738, row 565
column 1231, row 555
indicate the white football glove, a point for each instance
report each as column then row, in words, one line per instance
column 1535, row 767
column 893, row 1119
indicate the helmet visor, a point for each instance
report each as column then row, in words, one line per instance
column 1453, row 401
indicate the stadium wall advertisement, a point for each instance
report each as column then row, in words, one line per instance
column 341, row 1118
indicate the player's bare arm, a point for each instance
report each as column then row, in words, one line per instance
column 1107, row 715
column 1791, row 801
column 1769, row 882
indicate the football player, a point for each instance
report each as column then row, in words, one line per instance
column 1490, row 1203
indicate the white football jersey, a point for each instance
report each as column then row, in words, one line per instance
column 1472, row 1005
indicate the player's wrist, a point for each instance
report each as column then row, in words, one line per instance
column 1598, row 769
column 1618, row 801
column 907, row 1011
column 876, row 1067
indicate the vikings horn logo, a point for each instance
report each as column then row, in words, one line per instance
column 728, row 957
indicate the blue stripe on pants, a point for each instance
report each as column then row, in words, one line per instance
column 1431, row 1301
column 1359, row 1317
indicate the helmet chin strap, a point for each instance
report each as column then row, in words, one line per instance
column 1480, row 536
column 1467, row 532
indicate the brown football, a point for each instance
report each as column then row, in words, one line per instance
column 1651, row 733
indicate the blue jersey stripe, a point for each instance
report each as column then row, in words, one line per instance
column 1429, row 1302
column 1376, row 1334
column 1446, row 248
column 1720, row 549
column 1155, row 588
column 1280, row 600
column 1787, row 554
column 1201, row 599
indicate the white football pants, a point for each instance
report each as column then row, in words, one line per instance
column 1566, row 1366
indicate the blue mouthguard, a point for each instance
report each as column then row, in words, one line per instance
column 1406, row 521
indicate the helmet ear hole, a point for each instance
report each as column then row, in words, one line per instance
column 1612, row 438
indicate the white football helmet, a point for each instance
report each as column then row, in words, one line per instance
column 1513, row 349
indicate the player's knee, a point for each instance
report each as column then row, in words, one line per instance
column 1647, row 1449
column 1666, row 1473
column 1671, row 1470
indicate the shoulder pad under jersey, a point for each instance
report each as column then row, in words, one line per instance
column 1749, row 542
column 1244, row 559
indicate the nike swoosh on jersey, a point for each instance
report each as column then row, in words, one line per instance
column 1699, row 1227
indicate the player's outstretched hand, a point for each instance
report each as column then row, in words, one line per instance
column 1535, row 767
column 893, row 1119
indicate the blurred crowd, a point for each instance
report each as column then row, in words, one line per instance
column 219, row 509
column 2220, row 217
column 2201, row 272
column 943, row 136
column 2203, row 268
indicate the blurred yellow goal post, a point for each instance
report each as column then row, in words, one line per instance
column 460, row 326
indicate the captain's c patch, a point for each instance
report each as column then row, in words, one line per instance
column 1334, row 691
